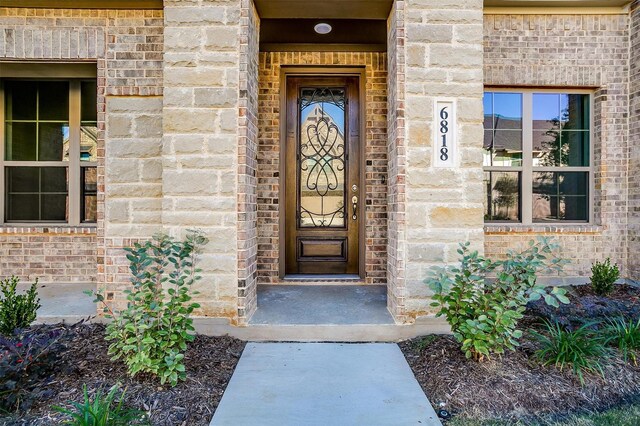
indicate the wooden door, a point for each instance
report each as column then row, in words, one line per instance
column 322, row 180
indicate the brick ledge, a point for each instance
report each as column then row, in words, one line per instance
column 542, row 229
column 49, row 229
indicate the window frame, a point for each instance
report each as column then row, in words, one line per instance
column 74, row 165
column 527, row 169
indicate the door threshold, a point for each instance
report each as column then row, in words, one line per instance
column 322, row 278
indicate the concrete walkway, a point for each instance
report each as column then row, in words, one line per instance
column 324, row 384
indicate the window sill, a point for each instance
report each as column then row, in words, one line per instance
column 14, row 228
column 575, row 228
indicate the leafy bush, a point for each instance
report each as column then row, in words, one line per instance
column 484, row 315
column 625, row 335
column 24, row 359
column 152, row 333
column 582, row 349
column 101, row 411
column 17, row 310
column 603, row 276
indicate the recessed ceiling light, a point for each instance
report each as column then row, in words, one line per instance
column 323, row 28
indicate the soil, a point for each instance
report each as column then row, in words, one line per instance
column 209, row 361
column 514, row 387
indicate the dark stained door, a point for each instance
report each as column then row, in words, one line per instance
column 322, row 180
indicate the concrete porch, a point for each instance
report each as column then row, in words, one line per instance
column 300, row 313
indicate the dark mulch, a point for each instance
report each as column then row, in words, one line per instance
column 514, row 387
column 210, row 362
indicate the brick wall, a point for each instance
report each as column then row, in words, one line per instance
column 572, row 51
column 51, row 255
column 126, row 46
column 634, row 145
column 396, row 152
column 375, row 155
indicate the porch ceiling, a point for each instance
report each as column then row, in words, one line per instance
column 324, row 9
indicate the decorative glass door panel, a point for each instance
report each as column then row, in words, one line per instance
column 322, row 158
column 322, row 179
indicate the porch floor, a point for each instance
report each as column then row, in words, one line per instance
column 321, row 305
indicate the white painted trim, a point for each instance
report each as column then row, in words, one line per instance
column 529, row 10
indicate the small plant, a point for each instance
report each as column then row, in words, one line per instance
column 582, row 349
column 484, row 315
column 604, row 276
column 17, row 310
column 625, row 335
column 152, row 333
column 23, row 359
column 423, row 342
column 102, row 410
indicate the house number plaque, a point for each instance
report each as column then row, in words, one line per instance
column 446, row 144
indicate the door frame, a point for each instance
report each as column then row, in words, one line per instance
column 321, row 71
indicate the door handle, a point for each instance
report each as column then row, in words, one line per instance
column 354, row 202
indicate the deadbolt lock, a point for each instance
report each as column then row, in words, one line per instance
column 354, row 188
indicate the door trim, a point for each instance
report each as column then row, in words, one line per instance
column 321, row 71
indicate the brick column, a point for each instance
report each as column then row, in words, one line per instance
column 200, row 139
column 634, row 144
column 444, row 57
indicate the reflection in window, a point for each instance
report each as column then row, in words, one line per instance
column 502, row 195
column 560, row 196
column 503, row 129
column 36, row 194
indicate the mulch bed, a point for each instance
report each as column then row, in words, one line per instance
column 514, row 387
column 210, row 362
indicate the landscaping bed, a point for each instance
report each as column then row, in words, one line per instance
column 514, row 387
column 82, row 359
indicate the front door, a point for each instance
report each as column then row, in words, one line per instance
column 322, row 179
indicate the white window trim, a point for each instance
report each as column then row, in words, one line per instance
column 527, row 169
column 74, row 164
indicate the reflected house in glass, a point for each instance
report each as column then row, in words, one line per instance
column 308, row 158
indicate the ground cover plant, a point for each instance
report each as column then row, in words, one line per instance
column 17, row 310
column 515, row 389
column 484, row 315
column 152, row 333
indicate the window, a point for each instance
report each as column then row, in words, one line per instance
column 537, row 162
column 48, row 151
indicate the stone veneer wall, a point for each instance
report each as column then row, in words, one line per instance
column 397, row 160
column 201, row 138
column 571, row 51
column 634, row 145
column 375, row 156
column 126, row 46
column 444, row 57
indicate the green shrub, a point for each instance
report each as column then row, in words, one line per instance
column 582, row 349
column 17, row 310
column 484, row 315
column 625, row 335
column 604, row 276
column 152, row 333
column 101, row 411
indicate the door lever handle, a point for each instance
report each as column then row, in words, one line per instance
column 354, row 202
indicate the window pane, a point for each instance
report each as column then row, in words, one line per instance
column 54, row 101
column 575, row 148
column 89, row 191
column 507, row 148
column 36, row 194
column 88, row 142
column 53, row 142
column 560, row 196
column 546, row 148
column 20, row 100
column 502, row 196
column 488, row 110
column 507, row 110
column 575, row 111
column 546, row 111
column 89, row 101
column 20, row 141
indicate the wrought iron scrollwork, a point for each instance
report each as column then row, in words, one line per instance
column 322, row 158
